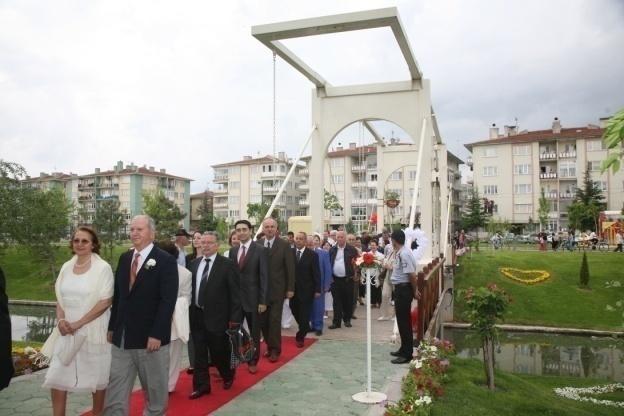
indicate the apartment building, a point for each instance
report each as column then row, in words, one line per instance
column 254, row 180
column 126, row 184
column 351, row 174
column 512, row 169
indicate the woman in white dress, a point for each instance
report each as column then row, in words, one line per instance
column 79, row 352
column 180, row 320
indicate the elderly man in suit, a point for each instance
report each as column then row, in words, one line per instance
column 281, row 286
column 325, row 270
column 146, row 289
column 215, row 307
column 342, row 257
column 252, row 259
column 307, row 285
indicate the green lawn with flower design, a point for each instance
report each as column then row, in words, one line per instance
column 555, row 301
column 517, row 395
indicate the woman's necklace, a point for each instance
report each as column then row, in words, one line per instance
column 83, row 264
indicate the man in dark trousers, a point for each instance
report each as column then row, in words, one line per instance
column 252, row 260
column 405, row 282
column 342, row 257
column 307, row 285
column 6, row 361
column 146, row 290
column 215, row 307
column 281, row 286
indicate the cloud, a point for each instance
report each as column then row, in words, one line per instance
column 183, row 85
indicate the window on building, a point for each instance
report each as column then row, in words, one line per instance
column 522, row 169
column 595, row 144
column 593, row 165
column 337, row 179
column 399, row 192
column 412, row 175
column 234, row 185
column 523, row 208
column 396, row 176
column 255, row 198
column 336, row 212
column 490, row 189
column 337, row 162
column 234, row 213
column 488, row 151
column 490, row 171
column 567, row 169
column 521, row 149
column 234, row 200
column 373, row 177
column 523, row 188
column 602, row 185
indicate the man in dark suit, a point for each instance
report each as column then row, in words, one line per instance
column 252, row 260
column 215, row 307
column 281, row 286
column 307, row 285
column 146, row 289
column 342, row 257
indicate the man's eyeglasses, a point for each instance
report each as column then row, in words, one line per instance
column 79, row 241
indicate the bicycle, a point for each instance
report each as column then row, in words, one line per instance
column 603, row 245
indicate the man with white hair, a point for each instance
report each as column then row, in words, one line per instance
column 146, row 290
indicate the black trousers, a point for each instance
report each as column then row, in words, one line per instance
column 403, row 295
column 271, row 323
column 342, row 294
column 217, row 343
column 301, row 306
column 253, row 323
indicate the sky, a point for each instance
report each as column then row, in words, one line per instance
column 183, row 85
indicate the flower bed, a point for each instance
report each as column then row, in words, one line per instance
column 578, row 393
column 532, row 276
column 424, row 381
column 27, row 360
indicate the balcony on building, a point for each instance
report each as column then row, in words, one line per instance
column 271, row 175
column 303, row 203
column 548, row 151
column 551, row 195
column 220, row 190
column 270, row 189
column 221, row 178
column 548, row 175
column 303, row 171
column 358, row 168
column 567, row 195
column 219, row 205
column 358, row 184
column 548, row 156
column 567, row 155
column 304, row 186
column 363, row 201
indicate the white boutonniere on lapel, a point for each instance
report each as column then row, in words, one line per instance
column 149, row 264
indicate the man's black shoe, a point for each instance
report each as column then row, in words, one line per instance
column 400, row 360
column 227, row 384
column 198, row 393
column 189, row 370
column 396, row 353
column 333, row 326
column 354, row 317
column 348, row 324
column 318, row 333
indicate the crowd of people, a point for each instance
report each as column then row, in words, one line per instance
column 135, row 321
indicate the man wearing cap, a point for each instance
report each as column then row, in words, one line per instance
column 181, row 241
column 405, row 282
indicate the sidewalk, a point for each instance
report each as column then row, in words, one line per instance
column 319, row 381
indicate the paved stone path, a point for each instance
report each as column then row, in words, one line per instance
column 319, row 381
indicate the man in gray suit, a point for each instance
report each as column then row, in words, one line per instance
column 281, row 286
column 251, row 259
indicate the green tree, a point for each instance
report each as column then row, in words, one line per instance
column 613, row 138
column 584, row 273
column 584, row 211
column 350, row 227
column 207, row 220
column 543, row 211
column 223, row 229
column 330, row 201
column 109, row 220
column 43, row 220
column 165, row 213
column 10, row 175
column 474, row 216
column 258, row 211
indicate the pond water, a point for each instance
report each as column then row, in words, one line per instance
column 31, row 323
column 548, row 354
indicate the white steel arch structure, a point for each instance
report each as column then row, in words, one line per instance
column 406, row 103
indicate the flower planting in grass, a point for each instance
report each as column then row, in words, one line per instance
column 424, row 380
column 591, row 394
column 528, row 277
column 27, row 359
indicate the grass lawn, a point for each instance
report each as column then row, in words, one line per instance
column 27, row 279
column 516, row 395
column 557, row 301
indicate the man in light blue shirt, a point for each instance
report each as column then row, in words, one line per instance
column 405, row 282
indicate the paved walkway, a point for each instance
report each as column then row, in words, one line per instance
column 319, row 381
